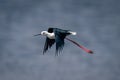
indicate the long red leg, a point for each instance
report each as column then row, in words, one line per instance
column 82, row 47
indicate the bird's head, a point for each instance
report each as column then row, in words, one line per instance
column 44, row 33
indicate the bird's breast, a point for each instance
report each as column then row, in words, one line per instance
column 51, row 36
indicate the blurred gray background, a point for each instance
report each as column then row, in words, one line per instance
column 97, row 23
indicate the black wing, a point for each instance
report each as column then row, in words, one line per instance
column 48, row 42
column 59, row 38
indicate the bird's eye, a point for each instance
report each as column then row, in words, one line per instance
column 43, row 33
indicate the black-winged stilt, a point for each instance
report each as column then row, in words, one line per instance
column 55, row 35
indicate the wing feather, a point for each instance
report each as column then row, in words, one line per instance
column 59, row 39
column 59, row 44
column 48, row 42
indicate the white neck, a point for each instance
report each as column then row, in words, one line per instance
column 50, row 35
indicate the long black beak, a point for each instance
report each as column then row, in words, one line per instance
column 37, row 35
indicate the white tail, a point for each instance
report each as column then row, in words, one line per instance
column 72, row 33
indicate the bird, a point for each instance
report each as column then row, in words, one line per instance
column 58, row 36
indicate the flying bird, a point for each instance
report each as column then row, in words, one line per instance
column 56, row 35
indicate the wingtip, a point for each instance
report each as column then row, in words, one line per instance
column 44, row 52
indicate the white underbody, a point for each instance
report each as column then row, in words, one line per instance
column 51, row 35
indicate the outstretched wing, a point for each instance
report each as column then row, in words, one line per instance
column 59, row 44
column 59, row 39
column 48, row 42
